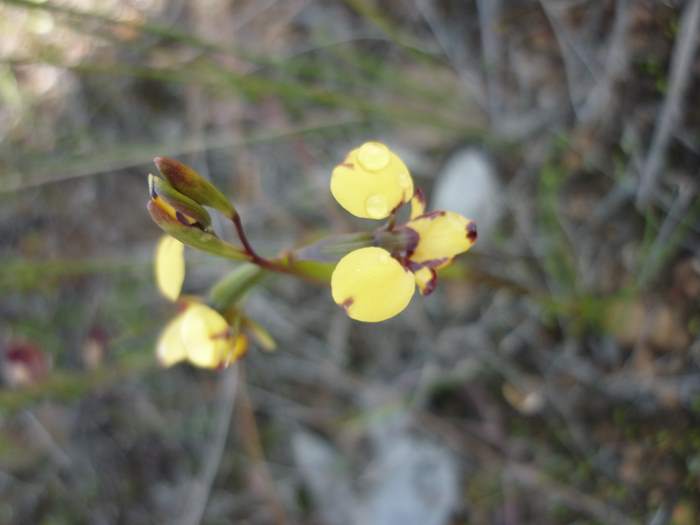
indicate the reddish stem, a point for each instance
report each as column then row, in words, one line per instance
column 248, row 248
column 244, row 239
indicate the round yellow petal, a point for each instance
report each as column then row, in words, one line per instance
column 170, row 349
column 442, row 235
column 205, row 334
column 170, row 266
column 371, row 182
column 371, row 285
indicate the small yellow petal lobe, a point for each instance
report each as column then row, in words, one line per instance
column 170, row 349
column 417, row 204
column 170, row 266
column 442, row 235
column 426, row 279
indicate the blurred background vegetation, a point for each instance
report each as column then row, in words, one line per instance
column 553, row 377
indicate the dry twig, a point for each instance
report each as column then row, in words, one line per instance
column 681, row 73
column 196, row 503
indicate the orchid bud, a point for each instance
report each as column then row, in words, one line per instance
column 191, row 212
column 190, row 183
column 165, row 216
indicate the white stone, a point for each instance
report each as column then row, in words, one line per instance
column 468, row 185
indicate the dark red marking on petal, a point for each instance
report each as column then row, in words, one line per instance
column 413, row 237
column 431, row 215
column 471, row 232
column 181, row 305
column 348, row 165
column 413, row 266
column 396, row 208
column 418, row 194
column 434, row 263
column 184, row 219
column 431, row 284
column 347, row 303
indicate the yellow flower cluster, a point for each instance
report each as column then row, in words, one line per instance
column 198, row 334
column 374, row 283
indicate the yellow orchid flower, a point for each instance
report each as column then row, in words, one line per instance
column 198, row 334
column 376, row 283
column 201, row 336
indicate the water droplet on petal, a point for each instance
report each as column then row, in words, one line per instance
column 377, row 207
column 373, row 156
column 404, row 180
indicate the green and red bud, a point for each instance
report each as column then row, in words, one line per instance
column 166, row 217
column 191, row 184
column 190, row 213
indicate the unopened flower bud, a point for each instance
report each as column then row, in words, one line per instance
column 190, row 212
column 166, row 217
column 190, row 183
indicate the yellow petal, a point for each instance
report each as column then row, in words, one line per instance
column 170, row 349
column 426, row 279
column 170, row 266
column 371, row 285
column 417, row 204
column 205, row 334
column 371, row 182
column 442, row 235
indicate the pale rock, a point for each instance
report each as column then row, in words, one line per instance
column 468, row 185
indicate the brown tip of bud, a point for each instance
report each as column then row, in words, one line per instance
column 172, row 169
column 164, row 162
column 187, row 181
